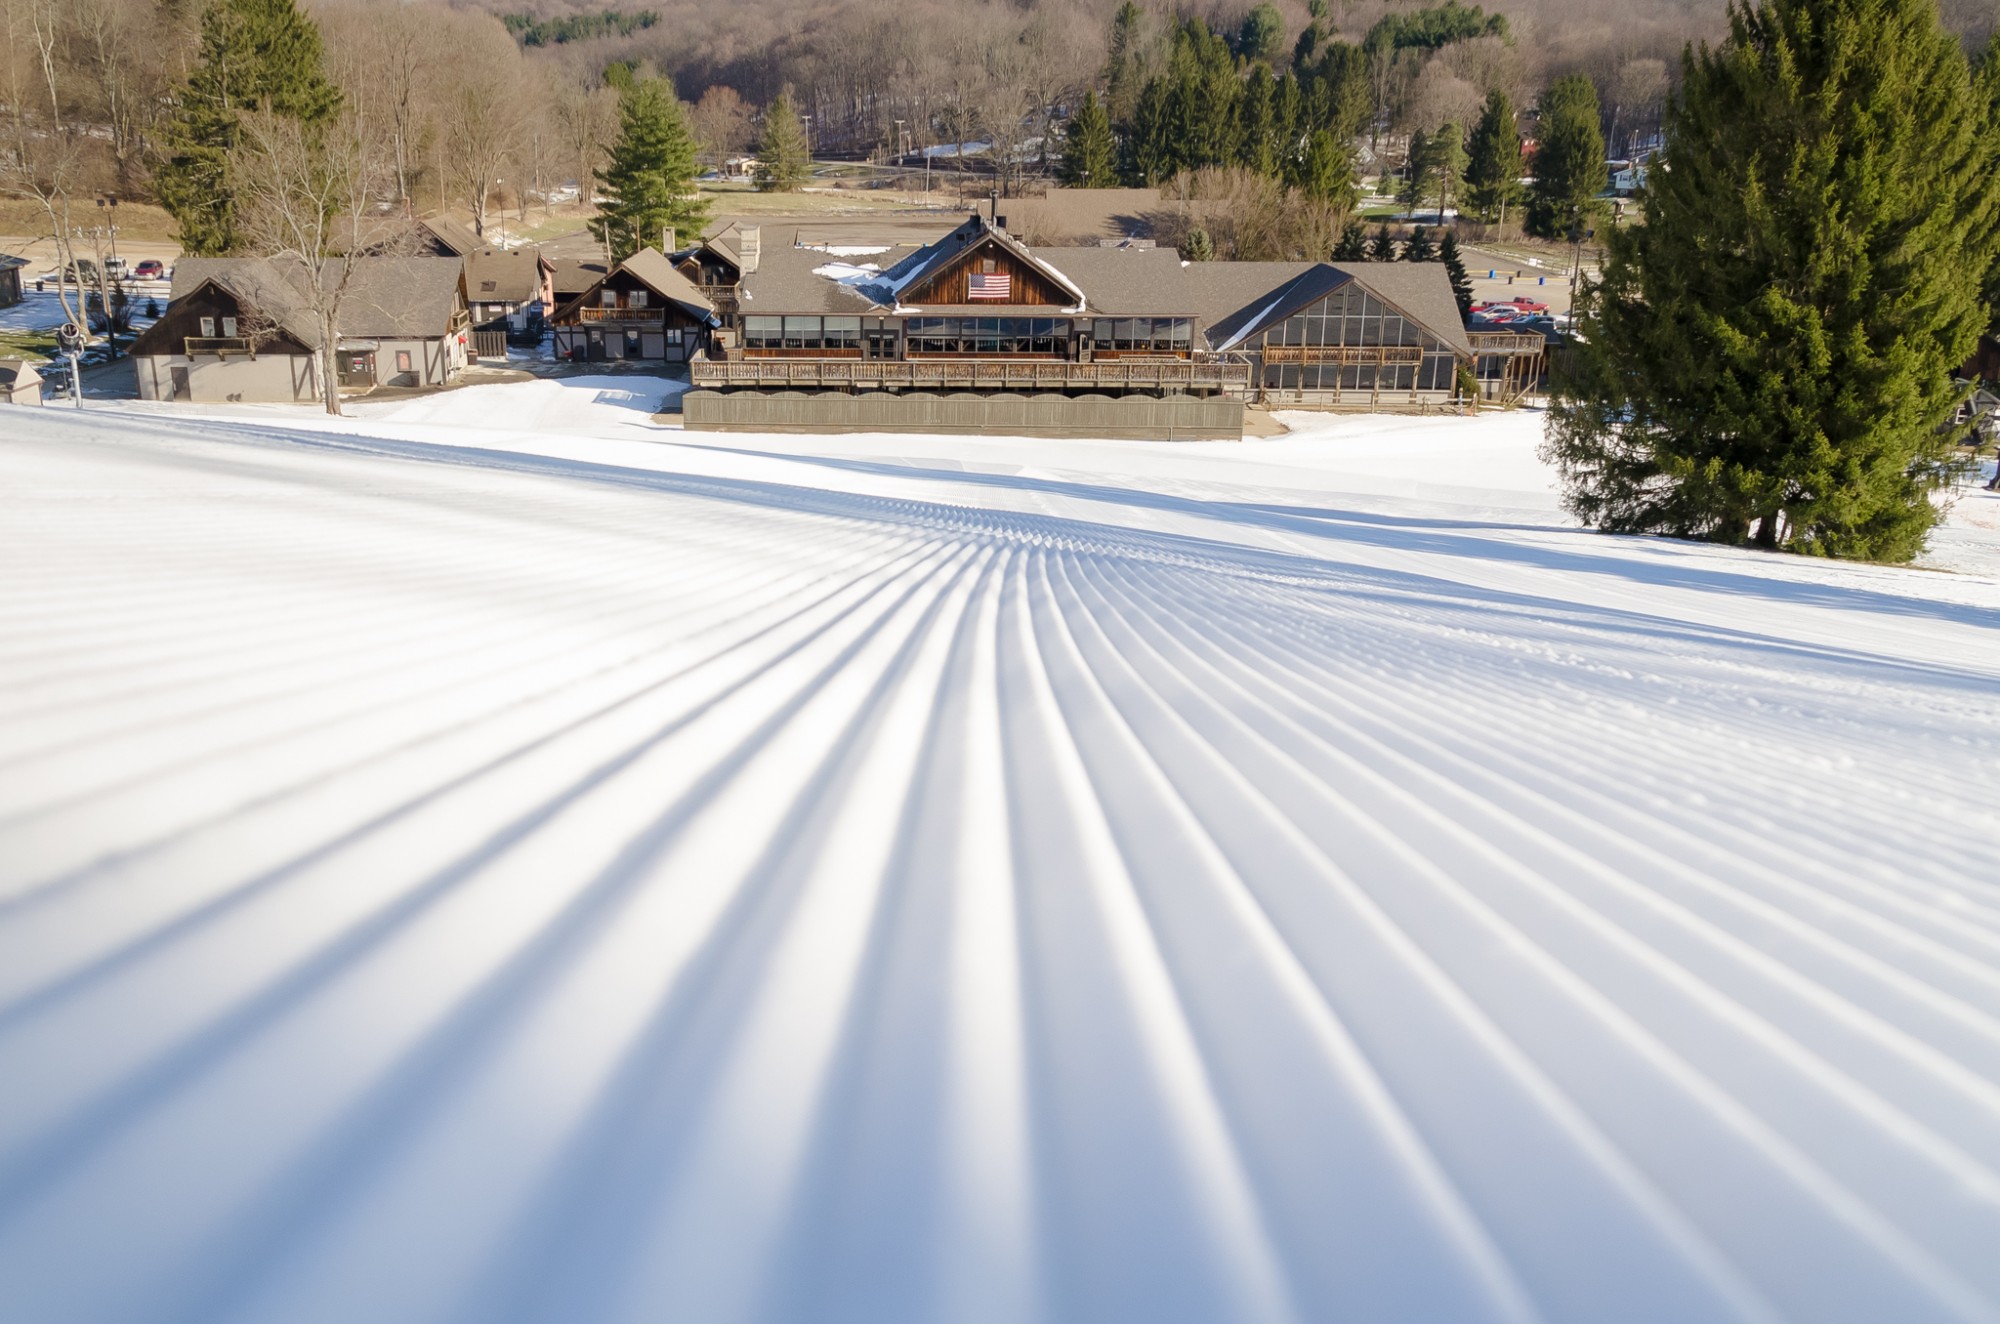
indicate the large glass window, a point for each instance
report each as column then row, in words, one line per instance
column 986, row 335
column 763, row 332
column 841, row 332
column 1158, row 335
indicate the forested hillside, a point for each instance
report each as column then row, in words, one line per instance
column 860, row 65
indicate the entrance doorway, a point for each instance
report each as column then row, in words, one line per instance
column 357, row 367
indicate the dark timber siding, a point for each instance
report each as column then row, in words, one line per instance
column 949, row 286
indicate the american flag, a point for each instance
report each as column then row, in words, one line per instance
column 989, row 285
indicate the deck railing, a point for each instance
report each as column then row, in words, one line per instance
column 646, row 315
column 199, row 345
column 980, row 374
column 1505, row 342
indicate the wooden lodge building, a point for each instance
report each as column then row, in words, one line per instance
column 643, row 308
column 978, row 314
column 242, row 329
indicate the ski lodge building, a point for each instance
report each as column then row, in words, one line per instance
column 978, row 332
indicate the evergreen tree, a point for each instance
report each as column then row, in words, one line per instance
column 1089, row 153
column 1989, row 88
column 1418, row 170
column 1353, row 243
column 254, row 55
column 1262, row 32
column 1344, row 93
column 782, row 163
column 1569, row 160
column 1200, row 247
column 1420, row 248
column 1263, row 151
column 1382, row 248
column 1325, row 170
column 1187, row 117
column 1767, row 359
column 1493, row 159
column 648, row 181
column 1454, row 266
column 1122, row 79
column 1286, row 112
column 1447, row 163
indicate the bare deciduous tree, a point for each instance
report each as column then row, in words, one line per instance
column 305, row 200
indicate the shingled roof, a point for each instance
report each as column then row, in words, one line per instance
column 390, row 298
column 655, row 270
column 456, row 238
column 502, row 275
column 1238, row 300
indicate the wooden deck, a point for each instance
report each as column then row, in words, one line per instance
column 973, row 374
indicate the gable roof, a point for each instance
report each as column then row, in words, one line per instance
column 1080, row 215
column 655, row 270
column 515, row 275
column 572, row 276
column 939, row 256
column 9, row 260
column 459, row 239
column 1273, row 291
column 792, row 280
column 396, row 298
column 18, row 372
column 1123, row 282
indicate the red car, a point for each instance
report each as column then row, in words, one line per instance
column 151, row 269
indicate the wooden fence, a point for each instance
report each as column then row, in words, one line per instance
column 489, row 344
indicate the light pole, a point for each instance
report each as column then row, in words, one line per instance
column 112, row 203
column 809, row 141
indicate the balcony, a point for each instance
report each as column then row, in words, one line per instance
column 632, row 316
column 973, row 374
column 1344, row 355
column 196, row 346
column 1505, row 342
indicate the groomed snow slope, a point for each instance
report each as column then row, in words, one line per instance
column 889, row 879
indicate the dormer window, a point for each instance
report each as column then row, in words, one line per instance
column 638, row 298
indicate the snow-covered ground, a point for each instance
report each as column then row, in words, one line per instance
column 493, row 859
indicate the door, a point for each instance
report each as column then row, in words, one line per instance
column 357, row 367
column 177, row 384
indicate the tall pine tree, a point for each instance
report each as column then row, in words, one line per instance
column 1353, row 243
column 782, row 163
column 1382, row 248
column 1454, row 267
column 1263, row 150
column 1419, row 169
column 1768, row 358
column 1123, row 78
column 1569, row 159
column 1421, row 248
column 1089, row 153
column 254, row 55
column 1324, row 170
column 1493, row 160
column 649, row 180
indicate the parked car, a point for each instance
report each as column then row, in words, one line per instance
column 151, row 269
